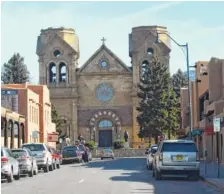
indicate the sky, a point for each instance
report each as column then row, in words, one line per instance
column 198, row 23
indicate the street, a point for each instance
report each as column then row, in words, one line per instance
column 125, row 175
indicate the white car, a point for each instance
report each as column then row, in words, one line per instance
column 10, row 166
column 42, row 154
column 150, row 156
column 27, row 162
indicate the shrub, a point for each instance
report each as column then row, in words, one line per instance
column 118, row 144
column 91, row 145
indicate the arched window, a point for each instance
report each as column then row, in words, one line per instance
column 105, row 124
column 52, row 73
column 144, row 68
column 62, row 72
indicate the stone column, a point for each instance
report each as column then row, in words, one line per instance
column 12, row 136
column 74, row 120
column 57, row 74
column 42, row 71
column 6, row 133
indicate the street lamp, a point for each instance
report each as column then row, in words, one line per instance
column 188, row 76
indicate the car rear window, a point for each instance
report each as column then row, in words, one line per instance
column 179, row 147
column 70, row 148
column 108, row 151
column 34, row 147
column 18, row 153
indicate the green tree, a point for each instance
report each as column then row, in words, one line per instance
column 179, row 80
column 56, row 119
column 170, row 112
column 154, row 80
column 15, row 71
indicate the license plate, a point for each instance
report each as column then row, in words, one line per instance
column 179, row 157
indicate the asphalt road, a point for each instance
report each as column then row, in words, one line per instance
column 126, row 176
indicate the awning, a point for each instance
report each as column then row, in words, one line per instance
column 195, row 132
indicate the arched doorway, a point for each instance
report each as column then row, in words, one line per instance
column 105, row 126
column 105, row 133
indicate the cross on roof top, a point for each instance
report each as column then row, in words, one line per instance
column 103, row 40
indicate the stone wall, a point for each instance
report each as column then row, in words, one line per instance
column 128, row 152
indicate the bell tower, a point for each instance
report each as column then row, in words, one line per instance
column 142, row 44
column 58, row 54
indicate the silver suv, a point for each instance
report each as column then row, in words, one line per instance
column 42, row 154
column 177, row 158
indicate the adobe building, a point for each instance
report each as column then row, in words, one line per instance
column 213, row 108
column 34, row 104
column 12, row 128
column 28, row 105
column 98, row 98
column 207, row 103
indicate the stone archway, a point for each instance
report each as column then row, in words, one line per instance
column 107, row 133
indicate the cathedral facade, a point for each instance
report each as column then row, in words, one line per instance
column 98, row 99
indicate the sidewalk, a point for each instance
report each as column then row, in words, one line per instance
column 209, row 174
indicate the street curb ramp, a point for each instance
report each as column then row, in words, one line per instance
column 211, row 183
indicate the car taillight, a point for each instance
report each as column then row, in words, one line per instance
column 161, row 156
column 4, row 160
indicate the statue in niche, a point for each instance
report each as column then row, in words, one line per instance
column 126, row 136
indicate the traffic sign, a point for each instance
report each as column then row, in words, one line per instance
column 216, row 124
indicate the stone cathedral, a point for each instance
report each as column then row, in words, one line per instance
column 97, row 99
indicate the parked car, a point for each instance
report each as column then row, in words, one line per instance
column 10, row 166
column 71, row 154
column 55, row 157
column 176, row 158
column 27, row 162
column 150, row 156
column 107, row 153
column 42, row 154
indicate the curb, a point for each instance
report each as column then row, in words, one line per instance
column 211, row 183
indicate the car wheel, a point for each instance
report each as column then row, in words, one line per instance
column 101, row 158
column 58, row 166
column 153, row 173
column 10, row 177
column 157, row 175
column 46, row 168
column 31, row 172
column 17, row 177
column 54, row 166
column 51, row 167
column 35, row 172
column 147, row 166
column 195, row 176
